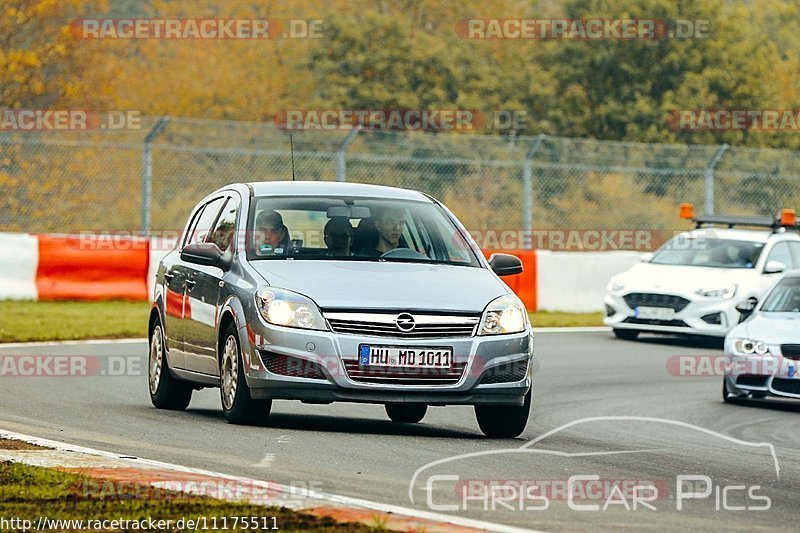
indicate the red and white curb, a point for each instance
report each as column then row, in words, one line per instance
column 119, row 468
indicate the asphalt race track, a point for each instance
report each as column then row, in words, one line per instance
column 652, row 427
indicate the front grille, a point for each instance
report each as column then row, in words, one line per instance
column 285, row 365
column 646, row 299
column 656, row 322
column 789, row 386
column 748, row 380
column 791, row 351
column 404, row 376
column 505, row 373
column 383, row 325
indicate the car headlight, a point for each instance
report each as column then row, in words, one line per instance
column 615, row 284
column 750, row 347
column 286, row 308
column 719, row 291
column 505, row 314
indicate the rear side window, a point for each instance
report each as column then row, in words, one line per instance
column 795, row 248
column 200, row 230
column 781, row 252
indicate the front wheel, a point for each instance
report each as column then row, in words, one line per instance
column 166, row 392
column 409, row 413
column 503, row 421
column 237, row 405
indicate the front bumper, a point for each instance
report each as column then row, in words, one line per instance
column 327, row 352
column 769, row 375
column 687, row 321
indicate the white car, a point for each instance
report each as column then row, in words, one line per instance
column 692, row 284
column 763, row 352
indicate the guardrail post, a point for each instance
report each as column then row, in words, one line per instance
column 147, row 173
column 709, row 178
column 527, row 188
column 341, row 164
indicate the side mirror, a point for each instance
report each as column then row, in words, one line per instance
column 205, row 253
column 646, row 257
column 505, row 265
column 746, row 308
column 774, row 267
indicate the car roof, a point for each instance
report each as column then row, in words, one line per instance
column 751, row 235
column 332, row 188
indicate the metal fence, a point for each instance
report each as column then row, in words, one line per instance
column 148, row 179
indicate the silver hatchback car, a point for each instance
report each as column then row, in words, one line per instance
column 337, row 292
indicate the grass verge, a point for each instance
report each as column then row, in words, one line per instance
column 29, row 492
column 555, row 319
column 48, row 321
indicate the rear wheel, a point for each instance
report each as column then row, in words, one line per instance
column 237, row 405
column 409, row 413
column 503, row 421
column 166, row 392
column 626, row 334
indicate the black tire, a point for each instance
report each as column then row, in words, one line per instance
column 626, row 334
column 409, row 413
column 166, row 392
column 238, row 406
column 503, row 421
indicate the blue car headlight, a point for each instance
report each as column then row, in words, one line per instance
column 505, row 314
column 285, row 308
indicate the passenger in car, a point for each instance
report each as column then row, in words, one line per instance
column 271, row 236
column 338, row 235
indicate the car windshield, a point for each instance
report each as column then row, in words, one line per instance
column 709, row 252
column 355, row 229
column 784, row 298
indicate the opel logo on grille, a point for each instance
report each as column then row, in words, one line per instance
column 405, row 322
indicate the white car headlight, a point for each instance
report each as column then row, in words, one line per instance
column 750, row 347
column 505, row 314
column 286, row 308
column 615, row 284
column 718, row 291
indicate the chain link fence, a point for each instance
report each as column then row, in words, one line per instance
column 148, row 179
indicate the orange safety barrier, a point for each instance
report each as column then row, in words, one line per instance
column 523, row 285
column 88, row 268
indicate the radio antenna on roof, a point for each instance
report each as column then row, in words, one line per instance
column 291, row 149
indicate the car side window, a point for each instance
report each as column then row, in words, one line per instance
column 795, row 248
column 781, row 252
column 223, row 232
column 201, row 230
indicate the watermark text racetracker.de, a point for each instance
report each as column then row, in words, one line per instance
column 197, row 28
column 72, row 366
column 601, row 29
column 24, row 120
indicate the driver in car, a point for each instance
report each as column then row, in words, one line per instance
column 271, row 235
column 390, row 224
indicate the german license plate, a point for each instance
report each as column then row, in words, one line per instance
column 404, row 357
column 654, row 313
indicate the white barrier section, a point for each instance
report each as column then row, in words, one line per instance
column 19, row 259
column 158, row 249
column 576, row 281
